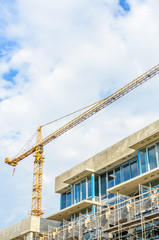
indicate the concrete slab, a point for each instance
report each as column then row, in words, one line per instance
column 131, row 186
column 110, row 157
column 67, row 212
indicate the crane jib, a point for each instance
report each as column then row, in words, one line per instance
column 90, row 112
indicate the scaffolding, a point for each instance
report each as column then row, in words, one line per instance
column 134, row 218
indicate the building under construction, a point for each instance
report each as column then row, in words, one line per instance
column 114, row 194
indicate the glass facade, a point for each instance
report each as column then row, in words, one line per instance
column 68, row 199
column 83, row 189
column 63, row 201
column 103, row 184
column 97, row 186
column 149, row 157
column 117, row 176
column 89, row 186
column 126, row 172
column 152, row 157
column 157, row 151
column 110, row 179
column 134, row 171
column 143, row 160
column 147, row 160
column 77, row 192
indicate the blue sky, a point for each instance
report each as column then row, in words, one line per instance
column 10, row 76
column 56, row 57
column 125, row 5
column 6, row 47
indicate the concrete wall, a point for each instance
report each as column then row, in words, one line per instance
column 46, row 224
column 26, row 227
column 19, row 228
column 112, row 156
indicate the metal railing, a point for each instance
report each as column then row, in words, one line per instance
column 130, row 217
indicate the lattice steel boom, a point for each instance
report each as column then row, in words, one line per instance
column 38, row 148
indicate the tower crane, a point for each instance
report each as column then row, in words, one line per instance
column 37, row 149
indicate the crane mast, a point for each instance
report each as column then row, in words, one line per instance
column 37, row 177
column 38, row 148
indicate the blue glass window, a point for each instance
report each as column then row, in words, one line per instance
column 73, row 194
column 134, row 168
column 68, row 199
column 77, row 193
column 126, row 172
column 117, row 176
column 63, row 201
column 83, row 189
column 103, row 184
column 110, row 179
column 110, row 195
column 143, row 160
column 97, row 186
column 152, row 157
column 89, row 186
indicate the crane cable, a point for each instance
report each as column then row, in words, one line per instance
column 71, row 113
column 30, row 140
column 23, row 149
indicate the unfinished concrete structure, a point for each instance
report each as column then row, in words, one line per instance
column 28, row 229
column 113, row 194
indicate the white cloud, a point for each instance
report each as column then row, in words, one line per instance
column 68, row 55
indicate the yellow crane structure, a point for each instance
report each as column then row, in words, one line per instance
column 37, row 149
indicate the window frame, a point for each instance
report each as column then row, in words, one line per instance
column 105, row 194
column 79, row 182
column 84, row 179
column 147, row 148
column 127, row 163
column 135, row 159
column 120, row 175
column 69, row 191
column 155, row 144
column 97, row 176
column 146, row 160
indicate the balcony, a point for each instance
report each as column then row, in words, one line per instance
column 65, row 213
column 131, row 186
